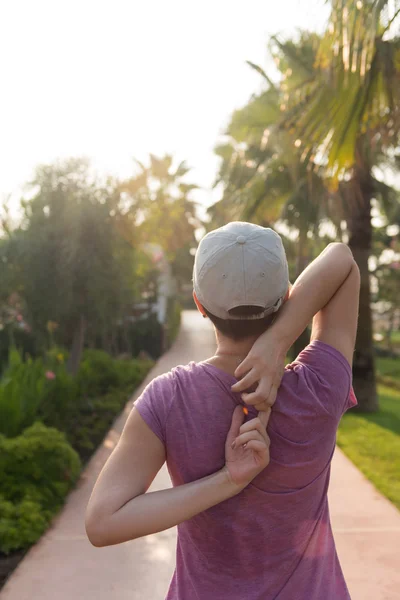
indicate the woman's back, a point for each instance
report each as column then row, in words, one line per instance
column 274, row 539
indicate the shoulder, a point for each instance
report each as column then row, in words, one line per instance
column 319, row 353
column 158, row 397
column 163, row 386
column 322, row 376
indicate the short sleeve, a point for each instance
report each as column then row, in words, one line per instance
column 329, row 374
column 155, row 403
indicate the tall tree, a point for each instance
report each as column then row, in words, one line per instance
column 158, row 201
column 74, row 266
column 345, row 111
column 264, row 178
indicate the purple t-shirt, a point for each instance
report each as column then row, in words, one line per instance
column 272, row 541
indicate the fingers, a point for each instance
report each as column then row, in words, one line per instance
column 263, row 397
column 264, row 416
column 256, row 424
column 245, row 383
column 234, row 430
column 256, row 446
column 245, row 365
column 261, row 393
column 245, row 438
column 237, row 419
column 272, row 395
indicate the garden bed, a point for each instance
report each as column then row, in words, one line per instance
column 43, row 461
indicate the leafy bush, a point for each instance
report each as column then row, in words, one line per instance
column 21, row 524
column 37, row 469
column 61, row 400
column 132, row 372
column 85, row 407
column 100, row 373
column 97, row 373
column 27, row 395
column 23, row 340
column 40, row 465
column 86, row 431
column 22, row 389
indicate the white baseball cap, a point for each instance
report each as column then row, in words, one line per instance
column 241, row 264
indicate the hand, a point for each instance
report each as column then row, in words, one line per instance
column 250, row 454
column 265, row 366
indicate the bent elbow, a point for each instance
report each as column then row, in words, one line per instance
column 341, row 247
column 95, row 532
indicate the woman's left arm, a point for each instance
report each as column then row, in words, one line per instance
column 119, row 508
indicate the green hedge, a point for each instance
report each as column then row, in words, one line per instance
column 93, row 421
column 40, row 464
column 22, row 339
column 37, row 469
column 84, row 407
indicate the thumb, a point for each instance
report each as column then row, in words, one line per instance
column 238, row 417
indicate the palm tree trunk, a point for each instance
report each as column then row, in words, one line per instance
column 360, row 242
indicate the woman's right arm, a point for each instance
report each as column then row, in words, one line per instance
column 328, row 290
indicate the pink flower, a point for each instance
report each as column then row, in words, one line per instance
column 50, row 375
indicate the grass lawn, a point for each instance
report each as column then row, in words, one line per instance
column 372, row 442
column 395, row 340
column 388, row 366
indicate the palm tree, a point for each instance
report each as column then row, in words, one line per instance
column 265, row 180
column 346, row 112
column 159, row 204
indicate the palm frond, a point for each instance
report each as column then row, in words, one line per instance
column 262, row 73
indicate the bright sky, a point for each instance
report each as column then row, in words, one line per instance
column 116, row 79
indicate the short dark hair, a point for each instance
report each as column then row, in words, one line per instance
column 241, row 329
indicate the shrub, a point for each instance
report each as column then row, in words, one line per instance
column 21, row 524
column 132, row 372
column 97, row 373
column 85, row 407
column 91, row 424
column 22, row 388
column 22, row 339
column 37, row 469
column 60, row 401
column 26, row 394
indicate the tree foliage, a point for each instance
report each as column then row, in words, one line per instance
column 308, row 148
column 158, row 200
column 68, row 259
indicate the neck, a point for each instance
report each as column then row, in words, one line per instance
column 226, row 347
column 229, row 354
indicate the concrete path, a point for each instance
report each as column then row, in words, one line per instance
column 64, row 566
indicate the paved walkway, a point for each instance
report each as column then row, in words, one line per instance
column 64, row 566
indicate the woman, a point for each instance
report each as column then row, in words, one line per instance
column 253, row 519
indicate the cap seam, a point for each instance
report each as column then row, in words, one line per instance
column 269, row 251
column 211, row 257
